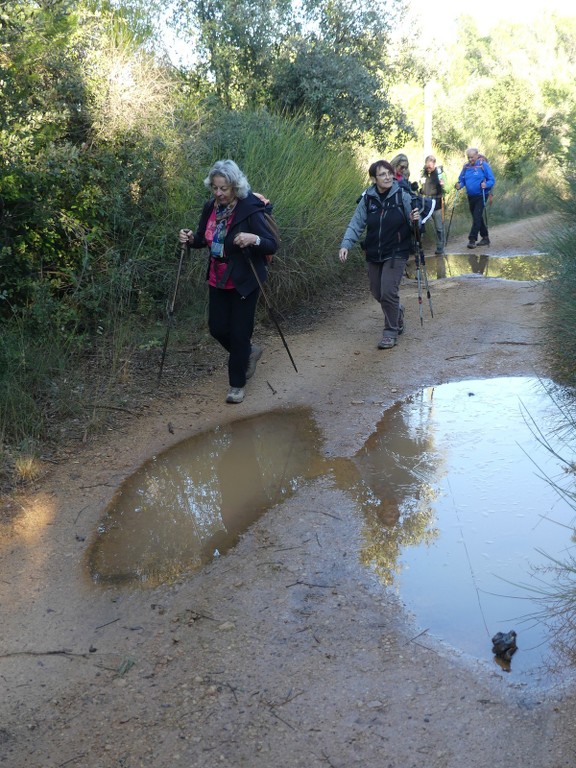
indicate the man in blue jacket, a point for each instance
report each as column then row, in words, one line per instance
column 476, row 175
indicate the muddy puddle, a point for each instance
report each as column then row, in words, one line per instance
column 190, row 503
column 460, row 515
column 531, row 268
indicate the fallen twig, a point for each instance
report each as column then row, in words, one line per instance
column 307, row 584
column 108, row 623
column 72, row 759
column 62, row 652
column 281, row 718
column 79, row 513
column 321, row 512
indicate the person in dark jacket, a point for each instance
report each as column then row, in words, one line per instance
column 401, row 166
column 476, row 175
column 432, row 186
column 385, row 211
column 233, row 227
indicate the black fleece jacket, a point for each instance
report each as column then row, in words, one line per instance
column 248, row 217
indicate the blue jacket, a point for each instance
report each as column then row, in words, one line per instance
column 471, row 176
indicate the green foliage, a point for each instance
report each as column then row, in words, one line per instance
column 337, row 72
column 313, row 189
column 341, row 97
column 561, row 288
column 234, row 42
column 34, row 354
column 517, row 133
column 104, row 148
column 510, row 92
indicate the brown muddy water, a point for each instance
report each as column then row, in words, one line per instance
column 461, row 503
column 478, row 262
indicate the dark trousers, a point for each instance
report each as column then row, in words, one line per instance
column 476, row 205
column 231, row 322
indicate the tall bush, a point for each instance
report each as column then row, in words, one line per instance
column 313, row 188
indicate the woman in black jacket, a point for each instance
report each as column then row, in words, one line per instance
column 385, row 213
column 233, row 227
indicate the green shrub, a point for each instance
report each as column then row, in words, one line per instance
column 313, row 188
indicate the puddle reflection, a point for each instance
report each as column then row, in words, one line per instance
column 451, row 485
column 531, row 268
column 483, row 474
column 193, row 500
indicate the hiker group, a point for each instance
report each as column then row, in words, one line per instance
column 237, row 228
column 391, row 214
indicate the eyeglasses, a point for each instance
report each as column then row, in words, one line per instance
column 384, row 175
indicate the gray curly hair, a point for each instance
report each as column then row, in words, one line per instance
column 233, row 175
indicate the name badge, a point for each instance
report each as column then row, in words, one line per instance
column 217, row 250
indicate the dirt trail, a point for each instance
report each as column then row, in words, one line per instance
column 285, row 652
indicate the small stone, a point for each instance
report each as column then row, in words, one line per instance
column 227, row 626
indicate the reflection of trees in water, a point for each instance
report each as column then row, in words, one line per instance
column 553, row 586
column 200, row 494
column 506, row 267
column 197, row 497
column 396, row 465
column 384, row 543
column 265, row 462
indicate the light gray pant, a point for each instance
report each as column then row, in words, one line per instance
column 384, row 282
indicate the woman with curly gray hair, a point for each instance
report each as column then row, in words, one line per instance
column 233, row 228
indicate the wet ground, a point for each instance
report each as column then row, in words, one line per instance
column 286, row 651
column 459, row 486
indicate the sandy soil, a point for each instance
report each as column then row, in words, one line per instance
column 285, row 652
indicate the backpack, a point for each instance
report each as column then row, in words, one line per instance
column 425, row 178
column 271, row 222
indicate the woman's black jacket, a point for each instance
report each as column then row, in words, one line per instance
column 248, row 217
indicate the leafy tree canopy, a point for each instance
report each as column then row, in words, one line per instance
column 327, row 59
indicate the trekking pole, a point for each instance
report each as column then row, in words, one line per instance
column 421, row 266
column 426, row 285
column 419, row 282
column 421, row 260
column 450, row 222
column 170, row 312
column 271, row 313
column 485, row 209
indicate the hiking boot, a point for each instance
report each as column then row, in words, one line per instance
column 255, row 355
column 235, row 395
column 471, row 244
column 400, row 320
column 484, row 241
column 387, row 342
column 438, row 253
